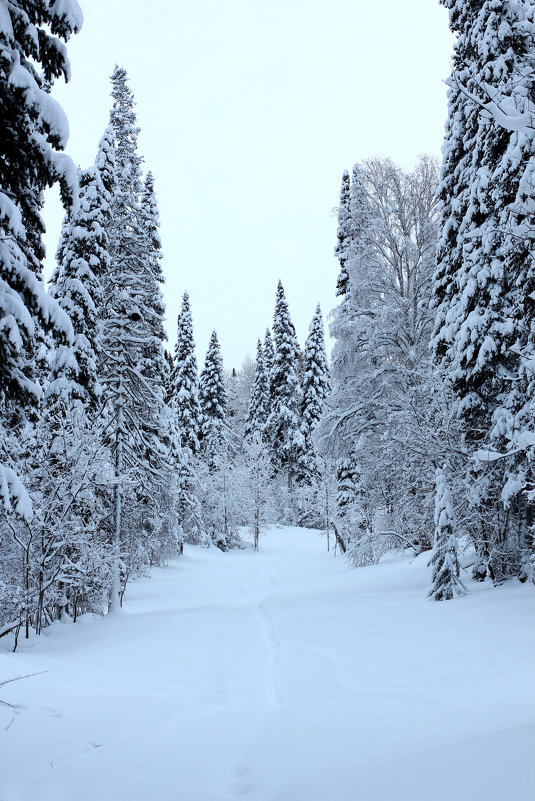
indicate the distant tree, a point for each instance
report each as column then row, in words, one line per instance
column 284, row 421
column 213, row 402
column 83, row 262
column 344, row 234
column 446, row 583
column 67, row 478
column 184, row 398
column 153, row 278
column 269, row 361
column 258, row 486
column 259, row 401
column 189, row 512
column 315, row 381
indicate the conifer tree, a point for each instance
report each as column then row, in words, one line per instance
column 446, row 583
column 72, row 463
column 316, row 380
column 34, row 129
column 124, row 123
column 189, row 512
column 344, row 234
column 348, row 481
column 212, row 400
column 284, row 421
column 184, row 382
column 132, row 365
column 353, row 512
column 259, row 402
column 269, row 361
column 153, row 279
column 484, row 280
column 169, row 367
column 83, row 261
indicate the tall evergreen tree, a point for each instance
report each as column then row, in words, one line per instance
column 83, row 261
column 212, row 400
column 316, row 380
column 34, row 129
column 153, row 278
column 269, row 361
column 484, row 279
column 259, row 402
column 184, row 382
column 133, row 372
column 343, row 234
column 284, row 421
column 72, row 462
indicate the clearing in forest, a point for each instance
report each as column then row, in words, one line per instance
column 278, row 676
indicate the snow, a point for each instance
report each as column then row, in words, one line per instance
column 12, row 218
column 278, row 676
column 69, row 11
column 6, row 28
column 14, row 497
column 47, row 107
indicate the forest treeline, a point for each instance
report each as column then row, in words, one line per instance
column 417, row 434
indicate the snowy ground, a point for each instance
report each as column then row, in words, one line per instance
column 278, row 676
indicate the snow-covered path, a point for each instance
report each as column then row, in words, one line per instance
column 278, row 676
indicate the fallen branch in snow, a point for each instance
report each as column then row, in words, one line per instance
column 17, row 678
column 339, row 539
column 401, row 537
column 10, row 627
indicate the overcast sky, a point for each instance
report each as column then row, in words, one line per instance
column 249, row 113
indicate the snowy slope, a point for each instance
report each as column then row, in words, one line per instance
column 278, row 676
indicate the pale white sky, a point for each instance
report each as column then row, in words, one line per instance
column 249, row 113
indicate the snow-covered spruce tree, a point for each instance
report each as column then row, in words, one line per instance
column 269, row 361
column 445, row 582
column 383, row 403
column 66, row 467
column 315, row 382
column 351, row 249
column 259, row 402
column 315, row 385
column 213, row 402
column 184, row 398
column 344, row 234
column 34, row 129
column 169, row 367
column 83, row 261
column 484, row 277
column 153, row 278
column 221, row 470
column 72, row 464
column 283, row 426
column 158, row 532
column 132, row 366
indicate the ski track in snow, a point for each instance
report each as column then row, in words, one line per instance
column 277, row 676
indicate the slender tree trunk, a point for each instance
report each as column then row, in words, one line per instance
column 115, row 594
